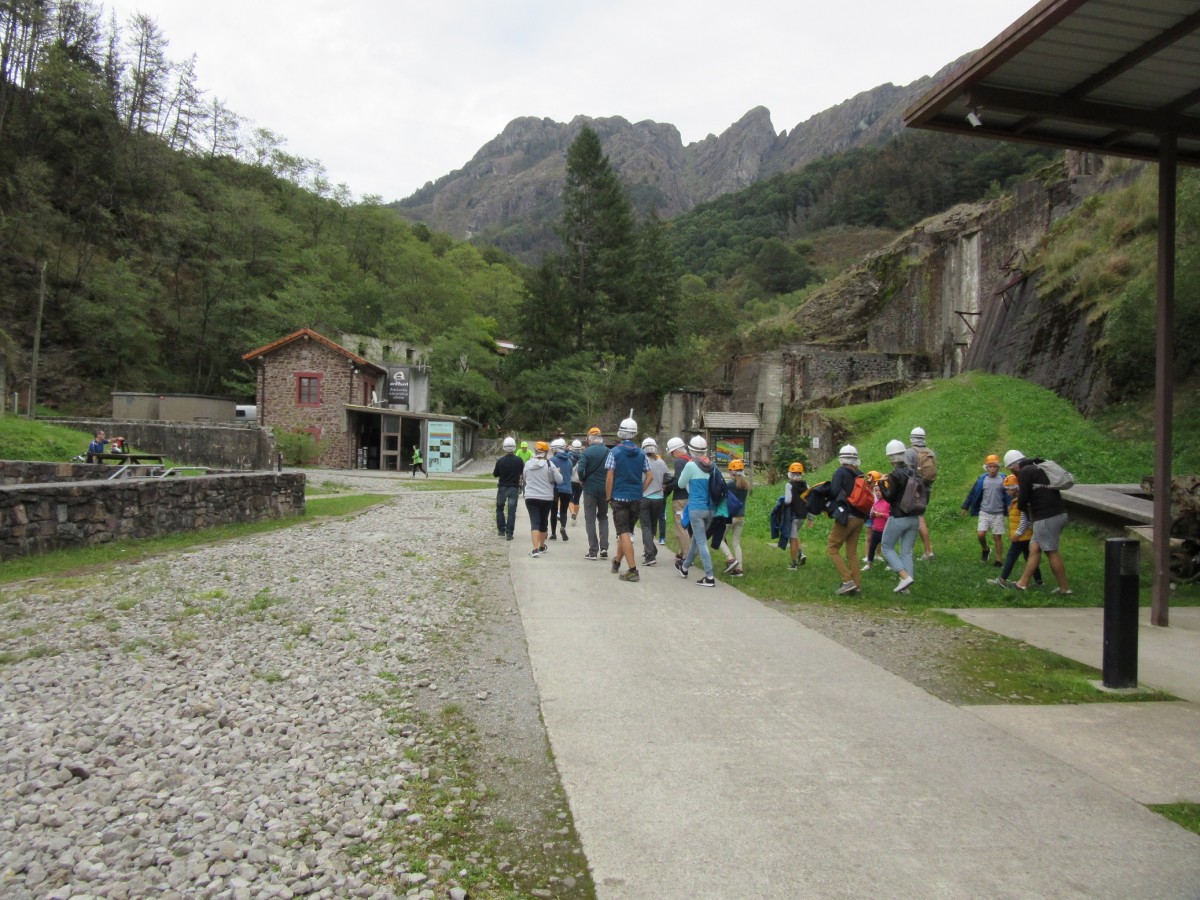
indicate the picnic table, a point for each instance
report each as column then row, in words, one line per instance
column 134, row 459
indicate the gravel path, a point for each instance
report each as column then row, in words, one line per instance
column 336, row 709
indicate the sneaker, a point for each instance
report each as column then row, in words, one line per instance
column 998, row 564
column 565, row 538
column 544, row 548
column 998, row 582
column 616, row 566
column 631, row 575
column 508, row 537
column 866, row 562
column 730, row 565
column 649, row 562
column 535, row 553
column 573, row 515
column 1059, row 592
column 803, row 559
column 501, row 533
column 591, row 556
column 662, row 542
column 553, row 536
column 679, row 568
column 847, row 587
column 706, row 581
column 866, row 566
column 984, row 554
column 1013, row 585
column 604, row 554
column 904, row 582
column 793, row 565
column 737, row 573
column 926, row 557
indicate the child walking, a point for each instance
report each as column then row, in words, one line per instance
column 1020, row 530
column 880, row 510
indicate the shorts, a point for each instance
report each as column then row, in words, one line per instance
column 1047, row 531
column 625, row 515
column 797, row 524
column 996, row 523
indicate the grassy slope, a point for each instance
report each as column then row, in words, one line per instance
column 966, row 418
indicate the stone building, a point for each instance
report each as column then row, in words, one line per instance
column 309, row 383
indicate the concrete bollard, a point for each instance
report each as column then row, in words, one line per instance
column 1120, row 612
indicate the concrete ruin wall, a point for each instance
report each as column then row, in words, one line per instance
column 237, row 447
column 35, row 518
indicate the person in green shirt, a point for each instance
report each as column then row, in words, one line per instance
column 524, row 452
column 418, row 461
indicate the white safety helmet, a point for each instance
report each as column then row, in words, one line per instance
column 848, row 453
column 697, row 444
column 895, row 450
column 650, row 445
column 917, row 437
column 675, row 443
column 627, row 429
column 558, row 444
column 576, row 444
column 1012, row 457
column 509, row 444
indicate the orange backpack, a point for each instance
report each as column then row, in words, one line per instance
column 862, row 498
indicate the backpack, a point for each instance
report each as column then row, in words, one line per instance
column 926, row 465
column 862, row 498
column 819, row 498
column 915, row 497
column 718, row 490
column 736, row 506
column 1060, row 479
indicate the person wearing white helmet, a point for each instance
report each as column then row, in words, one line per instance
column 694, row 479
column 925, row 467
column 653, row 502
column 595, row 505
column 846, row 534
column 904, row 522
column 576, row 451
column 677, row 450
column 626, row 469
column 1044, row 507
column 508, row 469
column 562, row 491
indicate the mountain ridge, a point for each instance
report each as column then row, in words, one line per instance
column 509, row 192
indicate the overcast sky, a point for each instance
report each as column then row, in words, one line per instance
column 389, row 95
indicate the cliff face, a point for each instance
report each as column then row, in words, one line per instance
column 510, row 191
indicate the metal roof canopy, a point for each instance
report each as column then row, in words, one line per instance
column 1104, row 76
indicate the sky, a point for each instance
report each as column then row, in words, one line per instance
column 391, row 94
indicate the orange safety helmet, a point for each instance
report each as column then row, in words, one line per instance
column 541, row 447
column 875, row 477
column 1010, row 481
column 736, row 465
column 593, row 431
column 992, row 460
column 796, row 468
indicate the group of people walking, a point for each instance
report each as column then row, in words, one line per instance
column 640, row 487
column 636, row 484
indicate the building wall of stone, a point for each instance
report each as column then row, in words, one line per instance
column 35, row 518
column 231, row 446
column 278, row 403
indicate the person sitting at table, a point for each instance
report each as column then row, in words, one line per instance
column 99, row 442
column 118, row 445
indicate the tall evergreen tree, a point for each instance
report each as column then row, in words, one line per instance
column 597, row 232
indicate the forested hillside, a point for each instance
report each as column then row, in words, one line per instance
column 168, row 237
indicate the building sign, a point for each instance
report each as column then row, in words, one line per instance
column 440, row 453
column 399, row 386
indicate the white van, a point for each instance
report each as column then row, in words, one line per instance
column 245, row 413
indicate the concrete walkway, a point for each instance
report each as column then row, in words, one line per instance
column 711, row 747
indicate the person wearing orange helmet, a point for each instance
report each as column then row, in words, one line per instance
column 877, row 518
column 794, row 500
column 988, row 500
column 739, row 486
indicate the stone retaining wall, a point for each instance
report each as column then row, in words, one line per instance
column 37, row 517
column 230, row 446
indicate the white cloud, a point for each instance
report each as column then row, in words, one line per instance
column 390, row 95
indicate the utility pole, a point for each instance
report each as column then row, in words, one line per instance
column 37, row 343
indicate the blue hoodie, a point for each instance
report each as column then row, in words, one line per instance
column 565, row 464
column 629, row 465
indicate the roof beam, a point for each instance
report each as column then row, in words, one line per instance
column 1082, row 112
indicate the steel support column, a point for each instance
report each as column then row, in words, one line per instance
column 1164, row 387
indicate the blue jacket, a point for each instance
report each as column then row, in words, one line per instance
column 562, row 459
column 781, row 522
column 629, row 466
column 974, row 501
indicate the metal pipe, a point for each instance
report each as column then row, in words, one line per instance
column 1163, row 382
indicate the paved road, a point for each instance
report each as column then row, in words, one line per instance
column 711, row 747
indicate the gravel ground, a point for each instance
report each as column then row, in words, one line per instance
column 337, row 709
